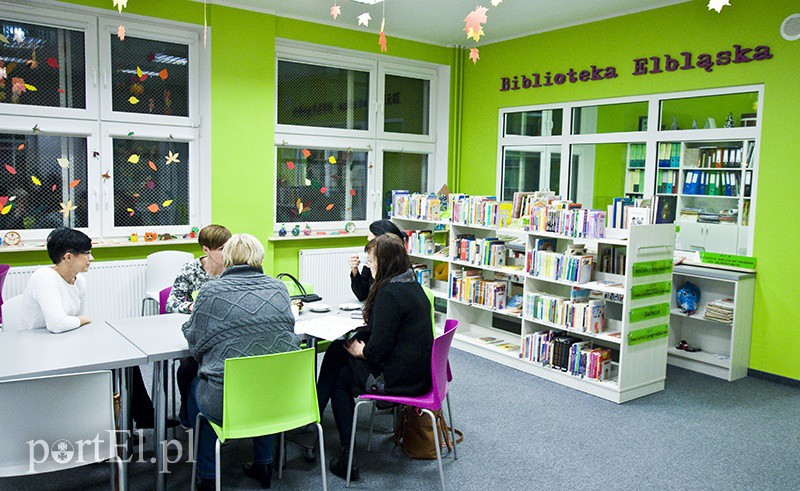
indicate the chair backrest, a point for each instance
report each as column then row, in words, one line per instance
column 440, row 367
column 163, row 295
column 13, row 311
column 269, row 394
column 3, row 272
column 429, row 294
column 44, row 417
column 163, row 267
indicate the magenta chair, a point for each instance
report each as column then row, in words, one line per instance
column 163, row 295
column 426, row 403
column 3, row 272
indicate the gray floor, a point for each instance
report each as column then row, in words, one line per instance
column 522, row 432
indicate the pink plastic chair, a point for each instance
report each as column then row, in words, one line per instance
column 427, row 403
column 3, row 272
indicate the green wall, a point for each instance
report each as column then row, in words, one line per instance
column 685, row 27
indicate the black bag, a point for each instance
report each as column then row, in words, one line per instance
column 303, row 296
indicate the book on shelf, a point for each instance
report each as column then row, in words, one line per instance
column 664, row 208
column 638, row 216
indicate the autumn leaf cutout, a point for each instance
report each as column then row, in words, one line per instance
column 474, row 20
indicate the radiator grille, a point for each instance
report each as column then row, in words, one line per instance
column 114, row 288
column 327, row 271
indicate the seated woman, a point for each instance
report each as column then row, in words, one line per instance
column 396, row 359
column 55, row 298
column 193, row 275
column 243, row 313
column 361, row 282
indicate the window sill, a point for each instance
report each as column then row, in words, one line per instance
column 319, row 235
column 97, row 244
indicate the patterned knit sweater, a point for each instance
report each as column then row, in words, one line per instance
column 243, row 313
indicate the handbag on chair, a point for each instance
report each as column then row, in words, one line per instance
column 297, row 290
column 414, row 434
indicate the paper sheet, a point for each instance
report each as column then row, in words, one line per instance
column 329, row 327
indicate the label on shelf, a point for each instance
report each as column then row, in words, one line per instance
column 651, row 290
column 648, row 334
column 640, row 314
column 746, row 262
column 652, row 268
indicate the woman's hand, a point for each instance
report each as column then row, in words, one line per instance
column 356, row 348
column 84, row 320
column 353, row 262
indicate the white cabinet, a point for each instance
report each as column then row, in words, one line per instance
column 722, row 238
column 724, row 343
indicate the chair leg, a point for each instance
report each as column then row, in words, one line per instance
column 281, row 455
column 371, row 420
column 218, row 467
column 353, row 442
column 322, row 458
column 196, row 446
column 436, row 444
column 452, row 426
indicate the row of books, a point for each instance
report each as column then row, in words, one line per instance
column 585, row 315
column 667, row 182
column 669, row 154
column 714, row 157
column 578, row 358
column 416, row 205
column 555, row 266
column 634, row 182
column 611, row 259
column 422, row 273
column 711, row 184
column 420, row 242
column 479, row 210
column 561, row 219
column 489, row 251
column 524, row 201
column 636, row 155
column 469, row 286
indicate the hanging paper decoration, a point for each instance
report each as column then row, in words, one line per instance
column 336, row 11
column 19, row 36
column 11, row 170
column 718, row 4
column 67, row 207
column 3, row 39
column 134, row 158
column 3, row 72
column 299, row 205
column 306, row 153
column 130, row 133
column 332, row 159
column 120, row 4
column 323, row 190
column 150, row 184
column 166, row 203
column 74, row 183
column 95, row 154
column 21, row 147
column 133, row 100
column 329, row 207
column 382, row 37
column 352, row 192
column 308, row 182
column 138, row 72
column 106, row 176
column 36, row 180
column 63, row 162
column 35, row 128
column 121, row 32
column 363, row 19
column 290, row 165
column 30, row 88
column 153, row 208
column 3, row 201
column 152, row 165
column 32, row 63
column 172, row 157
column 53, row 188
column 6, row 209
column 60, row 90
column 130, row 212
column 17, row 86
column 474, row 56
column 163, row 74
column 495, row 3
column 474, row 20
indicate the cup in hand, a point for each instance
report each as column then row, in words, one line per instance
column 363, row 257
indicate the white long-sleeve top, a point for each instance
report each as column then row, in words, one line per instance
column 53, row 303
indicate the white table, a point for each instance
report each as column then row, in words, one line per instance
column 95, row 346
column 161, row 339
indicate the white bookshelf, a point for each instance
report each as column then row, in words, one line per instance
column 724, row 347
column 637, row 369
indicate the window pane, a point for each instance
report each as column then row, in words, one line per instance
column 149, row 188
column 716, row 111
column 523, row 169
column 322, row 96
column 609, row 118
column 534, row 123
column 43, row 66
column 41, row 175
column 598, row 174
column 403, row 171
column 149, row 77
column 407, row 105
column 327, row 185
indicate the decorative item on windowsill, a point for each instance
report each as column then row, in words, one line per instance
column 150, row 236
column 12, row 238
column 166, row 237
column 192, row 233
column 350, row 227
column 133, row 238
column 296, row 230
column 282, row 231
column 729, row 121
column 307, row 230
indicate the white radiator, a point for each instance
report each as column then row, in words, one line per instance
column 114, row 288
column 326, row 270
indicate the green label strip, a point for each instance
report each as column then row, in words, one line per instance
column 651, row 268
column 746, row 262
column 651, row 290
column 648, row 334
column 650, row 312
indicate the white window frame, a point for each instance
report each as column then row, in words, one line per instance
column 373, row 140
column 100, row 124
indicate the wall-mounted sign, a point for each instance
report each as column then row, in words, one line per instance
column 641, row 66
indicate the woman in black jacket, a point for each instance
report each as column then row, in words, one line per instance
column 396, row 358
column 361, row 281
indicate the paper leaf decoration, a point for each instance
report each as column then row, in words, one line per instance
column 120, row 4
column 35, row 128
column 290, row 165
column 336, row 11
column 11, row 170
column 74, row 183
column 152, row 165
column 150, row 184
column 382, row 41
column 21, row 147
column 36, row 180
column 332, row 159
column 172, row 157
column 166, row 203
column 53, row 188
column 3, row 39
column 63, row 162
column 363, row 19
column 18, row 86
column 308, row 182
column 133, row 100
column 134, row 158
column 163, row 74
column 30, row 87
column 3, row 201
column 130, row 212
column 329, row 207
column 718, row 4
column 60, row 90
column 3, row 73
column 153, row 208
column 130, row 133
column 352, row 192
column 299, row 205
column 121, row 32
column 67, row 207
column 19, row 36
column 474, row 56
column 6, row 209
column 106, row 176
column 306, row 153
column 473, row 23
column 495, row 3
column 323, row 190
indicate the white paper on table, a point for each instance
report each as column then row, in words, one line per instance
column 329, row 327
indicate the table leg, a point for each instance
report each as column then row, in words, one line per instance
column 159, row 429
column 125, row 425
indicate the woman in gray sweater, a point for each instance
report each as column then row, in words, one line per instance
column 243, row 313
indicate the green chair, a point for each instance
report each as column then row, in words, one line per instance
column 267, row 395
column 429, row 294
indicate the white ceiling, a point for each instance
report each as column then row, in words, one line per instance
column 442, row 21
